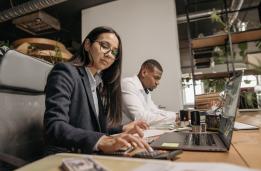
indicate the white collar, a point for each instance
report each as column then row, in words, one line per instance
column 137, row 82
column 94, row 80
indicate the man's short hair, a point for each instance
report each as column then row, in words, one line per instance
column 150, row 64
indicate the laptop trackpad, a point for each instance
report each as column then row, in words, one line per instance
column 200, row 139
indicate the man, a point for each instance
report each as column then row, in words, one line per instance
column 137, row 102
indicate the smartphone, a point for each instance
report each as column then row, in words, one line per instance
column 81, row 164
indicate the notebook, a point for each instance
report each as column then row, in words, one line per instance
column 210, row 141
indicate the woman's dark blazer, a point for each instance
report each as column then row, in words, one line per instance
column 70, row 119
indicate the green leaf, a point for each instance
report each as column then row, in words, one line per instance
column 216, row 18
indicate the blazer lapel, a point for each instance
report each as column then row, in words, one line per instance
column 102, row 116
column 87, row 87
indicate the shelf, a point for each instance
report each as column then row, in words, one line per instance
column 246, row 36
column 219, row 75
column 45, row 48
column 209, row 41
column 211, row 75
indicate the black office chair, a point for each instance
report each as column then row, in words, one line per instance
column 22, row 81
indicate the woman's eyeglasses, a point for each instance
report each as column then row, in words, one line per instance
column 105, row 48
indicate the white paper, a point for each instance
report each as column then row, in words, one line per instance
column 154, row 132
column 155, row 167
column 242, row 126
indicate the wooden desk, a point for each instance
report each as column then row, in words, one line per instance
column 231, row 157
column 248, row 142
column 53, row 163
column 244, row 151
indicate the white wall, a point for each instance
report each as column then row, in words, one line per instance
column 148, row 29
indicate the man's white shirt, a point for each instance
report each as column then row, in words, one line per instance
column 137, row 104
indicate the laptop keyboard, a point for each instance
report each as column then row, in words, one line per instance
column 199, row 139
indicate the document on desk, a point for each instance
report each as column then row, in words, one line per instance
column 191, row 166
column 243, row 126
column 154, row 132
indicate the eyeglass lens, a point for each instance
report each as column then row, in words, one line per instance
column 105, row 48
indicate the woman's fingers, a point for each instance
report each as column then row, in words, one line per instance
column 142, row 124
column 147, row 146
column 130, row 127
column 139, row 131
column 134, row 139
column 111, row 144
column 137, row 142
column 121, row 142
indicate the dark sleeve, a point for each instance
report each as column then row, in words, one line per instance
column 58, row 130
column 115, row 130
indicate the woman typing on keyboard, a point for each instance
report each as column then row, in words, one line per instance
column 83, row 100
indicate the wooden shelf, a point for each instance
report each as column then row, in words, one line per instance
column 45, row 48
column 219, row 75
column 246, row 36
column 209, row 41
column 212, row 75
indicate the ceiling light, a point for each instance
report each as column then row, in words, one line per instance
column 37, row 23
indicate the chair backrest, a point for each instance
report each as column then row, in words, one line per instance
column 22, row 82
column 22, row 72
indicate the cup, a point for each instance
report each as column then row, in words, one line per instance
column 195, row 117
column 184, row 117
column 195, row 121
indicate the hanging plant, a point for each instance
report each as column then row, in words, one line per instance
column 220, row 54
column 5, row 43
column 214, row 85
column 243, row 48
column 248, row 100
column 216, row 18
column 247, row 81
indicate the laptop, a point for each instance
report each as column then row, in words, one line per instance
column 209, row 141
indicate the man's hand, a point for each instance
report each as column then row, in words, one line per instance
column 108, row 144
column 135, row 127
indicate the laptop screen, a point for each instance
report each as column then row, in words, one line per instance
column 229, row 110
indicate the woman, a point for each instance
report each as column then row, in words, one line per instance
column 83, row 97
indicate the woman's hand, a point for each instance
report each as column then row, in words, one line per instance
column 108, row 144
column 135, row 127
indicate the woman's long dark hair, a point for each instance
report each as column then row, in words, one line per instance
column 111, row 89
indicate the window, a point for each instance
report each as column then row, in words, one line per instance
column 249, row 81
column 188, row 92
